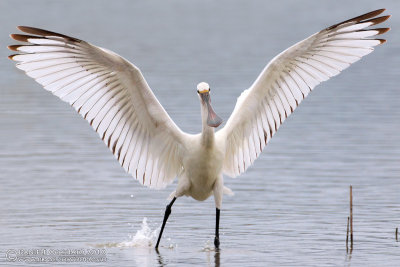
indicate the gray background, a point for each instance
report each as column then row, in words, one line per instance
column 60, row 187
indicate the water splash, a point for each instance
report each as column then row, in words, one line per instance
column 144, row 237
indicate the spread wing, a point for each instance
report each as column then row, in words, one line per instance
column 112, row 95
column 287, row 80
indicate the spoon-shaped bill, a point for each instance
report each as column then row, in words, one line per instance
column 213, row 120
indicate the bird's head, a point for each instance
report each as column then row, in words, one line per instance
column 203, row 90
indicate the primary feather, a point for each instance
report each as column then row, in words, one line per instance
column 112, row 95
column 287, row 80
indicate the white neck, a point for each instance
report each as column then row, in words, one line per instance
column 207, row 134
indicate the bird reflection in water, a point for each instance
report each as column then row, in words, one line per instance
column 160, row 259
column 217, row 256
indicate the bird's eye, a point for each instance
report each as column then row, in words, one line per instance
column 198, row 91
column 209, row 89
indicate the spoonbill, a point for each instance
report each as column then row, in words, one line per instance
column 113, row 96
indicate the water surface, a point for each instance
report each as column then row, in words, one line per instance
column 61, row 187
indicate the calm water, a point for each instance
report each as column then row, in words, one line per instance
column 60, row 187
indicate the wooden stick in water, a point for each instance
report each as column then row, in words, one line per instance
column 351, row 217
column 397, row 233
column 347, row 235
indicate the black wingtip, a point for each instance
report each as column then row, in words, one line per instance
column 12, row 56
column 22, row 37
column 45, row 33
column 378, row 19
column 382, row 30
column 381, row 40
column 367, row 17
column 13, row 47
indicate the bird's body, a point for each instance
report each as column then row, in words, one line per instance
column 203, row 167
column 202, row 162
column 113, row 96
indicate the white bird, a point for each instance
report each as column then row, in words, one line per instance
column 113, row 96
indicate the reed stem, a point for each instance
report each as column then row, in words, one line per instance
column 347, row 234
column 351, row 217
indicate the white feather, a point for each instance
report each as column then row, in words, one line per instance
column 290, row 76
column 113, row 96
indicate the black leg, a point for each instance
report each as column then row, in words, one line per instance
column 166, row 215
column 216, row 239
